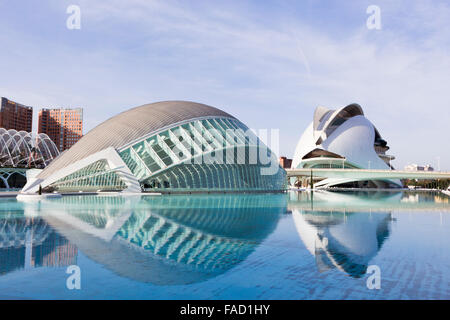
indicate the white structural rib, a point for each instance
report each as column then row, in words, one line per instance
column 179, row 145
column 154, row 155
column 198, row 136
column 167, row 149
column 187, row 137
column 206, row 132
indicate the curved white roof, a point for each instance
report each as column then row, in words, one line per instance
column 345, row 132
column 131, row 125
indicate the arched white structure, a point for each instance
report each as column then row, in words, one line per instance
column 20, row 149
column 343, row 138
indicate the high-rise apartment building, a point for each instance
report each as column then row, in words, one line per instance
column 63, row 126
column 15, row 116
column 285, row 163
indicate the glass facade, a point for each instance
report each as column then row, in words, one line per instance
column 226, row 177
column 216, row 154
column 94, row 177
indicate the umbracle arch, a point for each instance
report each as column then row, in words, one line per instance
column 24, row 149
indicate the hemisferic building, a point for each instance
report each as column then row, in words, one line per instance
column 171, row 146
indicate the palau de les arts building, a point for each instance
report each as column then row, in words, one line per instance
column 343, row 138
column 172, row 146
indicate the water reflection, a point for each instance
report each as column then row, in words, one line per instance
column 166, row 240
column 29, row 242
column 368, row 200
column 347, row 241
column 343, row 238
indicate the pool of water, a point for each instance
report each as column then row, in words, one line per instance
column 320, row 245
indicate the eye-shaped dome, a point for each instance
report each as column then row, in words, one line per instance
column 171, row 146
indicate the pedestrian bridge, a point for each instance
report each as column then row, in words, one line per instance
column 366, row 174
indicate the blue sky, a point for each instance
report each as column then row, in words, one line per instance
column 269, row 63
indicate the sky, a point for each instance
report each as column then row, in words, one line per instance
column 268, row 63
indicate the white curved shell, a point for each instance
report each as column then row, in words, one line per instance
column 345, row 132
column 354, row 140
column 304, row 145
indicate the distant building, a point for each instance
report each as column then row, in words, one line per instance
column 15, row 116
column 416, row 167
column 63, row 126
column 285, row 163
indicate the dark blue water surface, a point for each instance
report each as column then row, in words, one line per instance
column 320, row 245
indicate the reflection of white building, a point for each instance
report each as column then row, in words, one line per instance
column 346, row 241
column 343, row 138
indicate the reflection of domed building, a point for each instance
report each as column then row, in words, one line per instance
column 342, row 239
column 167, row 240
column 343, row 138
column 173, row 146
column 347, row 241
